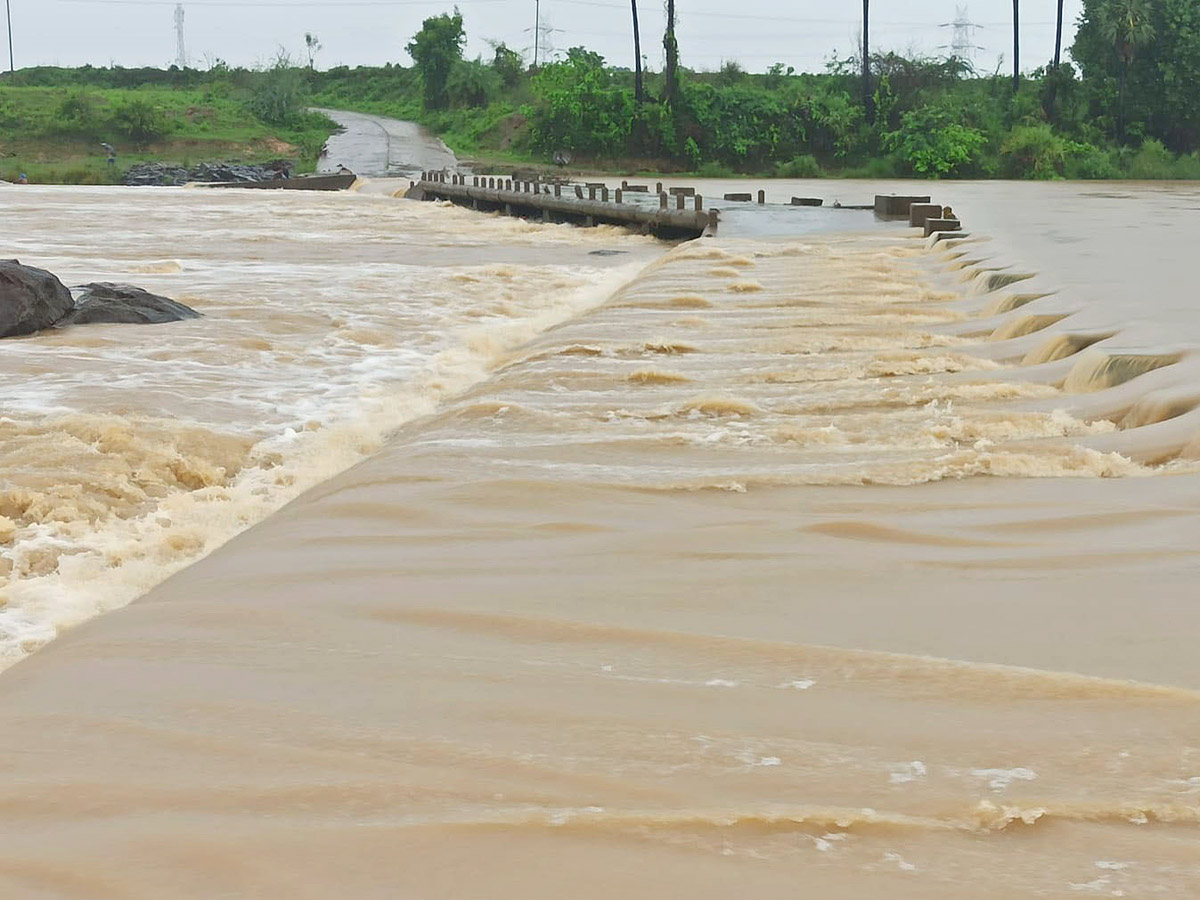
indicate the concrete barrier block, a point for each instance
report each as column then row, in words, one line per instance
column 683, row 192
column 935, row 225
column 894, row 206
column 938, row 236
column 807, row 201
column 919, row 213
column 738, row 198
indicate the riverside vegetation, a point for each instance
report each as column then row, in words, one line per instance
column 52, row 120
column 1125, row 107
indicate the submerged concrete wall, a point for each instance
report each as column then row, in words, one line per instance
column 540, row 200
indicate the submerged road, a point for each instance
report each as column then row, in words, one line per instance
column 378, row 146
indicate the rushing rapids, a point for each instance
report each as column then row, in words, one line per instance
column 666, row 572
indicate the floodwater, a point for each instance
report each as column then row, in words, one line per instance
column 834, row 563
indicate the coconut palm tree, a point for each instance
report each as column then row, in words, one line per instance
column 1125, row 24
column 638, row 89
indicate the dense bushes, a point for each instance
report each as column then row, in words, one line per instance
column 932, row 143
column 580, row 109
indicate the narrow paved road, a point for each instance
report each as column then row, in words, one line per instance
column 377, row 146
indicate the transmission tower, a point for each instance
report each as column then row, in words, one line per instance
column 181, row 50
column 962, row 45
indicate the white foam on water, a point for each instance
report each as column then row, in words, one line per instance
column 129, row 452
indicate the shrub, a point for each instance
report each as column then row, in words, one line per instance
column 140, row 121
column 803, row 166
column 279, row 97
column 1034, row 151
column 714, row 170
column 508, row 65
column 79, row 114
column 1152, row 160
column 931, row 142
column 731, row 73
column 1089, row 161
column 472, row 84
column 580, row 110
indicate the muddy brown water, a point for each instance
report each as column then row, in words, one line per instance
column 750, row 565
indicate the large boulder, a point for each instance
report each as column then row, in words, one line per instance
column 30, row 299
column 104, row 302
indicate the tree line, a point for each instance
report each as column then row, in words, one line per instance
column 1122, row 106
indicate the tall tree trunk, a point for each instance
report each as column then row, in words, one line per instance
column 1051, row 100
column 1016, row 45
column 12, row 65
column 868, row 95
column 1121, row 100
column 672, row 48
column 1058, row 37
column 638, row 88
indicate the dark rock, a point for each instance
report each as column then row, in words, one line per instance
column 30, row 299
column 164, row 175
column 123, row 304
column 155, row 175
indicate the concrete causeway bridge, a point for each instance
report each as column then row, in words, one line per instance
column 678, row 215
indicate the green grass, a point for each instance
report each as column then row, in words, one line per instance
column 53, row 134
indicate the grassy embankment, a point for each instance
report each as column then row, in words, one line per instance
column 53, row 133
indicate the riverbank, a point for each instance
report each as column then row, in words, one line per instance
column 54, row 134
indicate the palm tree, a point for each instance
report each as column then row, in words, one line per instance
column 1126, row 25
column 1016, row 45
column 638, row 89
column 868, row 103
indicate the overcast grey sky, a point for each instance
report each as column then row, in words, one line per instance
column 802, row 33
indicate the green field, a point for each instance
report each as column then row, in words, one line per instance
column 54, row 133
